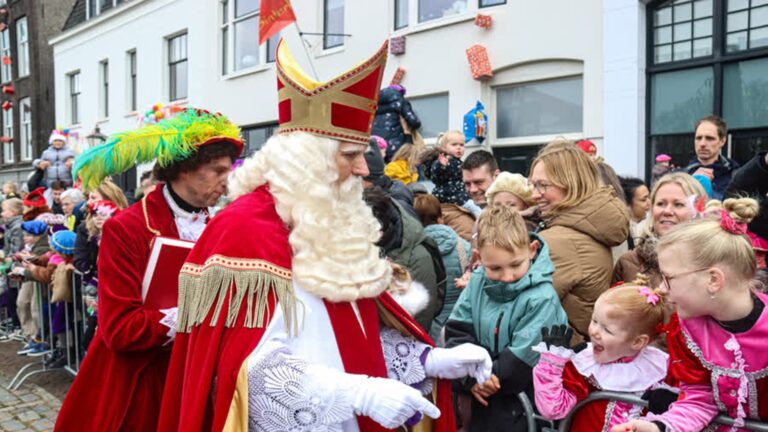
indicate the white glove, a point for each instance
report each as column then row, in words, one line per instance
column 457, row 362
column 169, row 320
column 390, row 403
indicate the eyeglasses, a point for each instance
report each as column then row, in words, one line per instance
column 541, row 187
column 666, row 278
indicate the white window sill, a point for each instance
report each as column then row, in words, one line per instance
column 131, row 114
column 250, row 71
column 331, row 51
column 436, row 23
column 535, row 139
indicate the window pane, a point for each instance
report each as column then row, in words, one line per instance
column 702, row 47
column 486, row 3
column 433, row 113
column 272, row 47
column 663, row 54
column 247, row 43
column 738, row 21
column 435, row 9
column 681, row 51
column 663, row 16
column 179, row 81
column 682, row 31
column 759, row 17
column 758, row 37
column 736, row 41
column 702, row 8
column 542, row 108
column 256, row 137
column 745, row 92
column 334, row 23
column 679, row 99
column 401, row 13
column 679, row 147
column 683, row 12
column 243, row 7
column 225, row 50
column 756, row 3
column 663, row 35
column 224, row 11
column 702, row 28
column 737, row 4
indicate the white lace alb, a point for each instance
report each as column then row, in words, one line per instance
column 402, row 357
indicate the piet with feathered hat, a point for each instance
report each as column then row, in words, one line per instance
column 287, row 282
column 193, row 153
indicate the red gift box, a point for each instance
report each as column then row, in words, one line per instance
column 479, row 65
column 8, row 89
column 397, row 45
column 399, row 73
column 7, row 105
column 483, row 21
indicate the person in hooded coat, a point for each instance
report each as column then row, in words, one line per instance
column 387, row 123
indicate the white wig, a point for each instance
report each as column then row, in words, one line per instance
column 333, row 231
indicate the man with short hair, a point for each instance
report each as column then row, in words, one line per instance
column 120, row 383
column 57, row 187
column 711, row 134
column 479, row 170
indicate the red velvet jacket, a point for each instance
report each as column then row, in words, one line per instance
column 120, row 383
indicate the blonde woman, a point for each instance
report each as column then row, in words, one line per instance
column 403, row 165
column 582, row 221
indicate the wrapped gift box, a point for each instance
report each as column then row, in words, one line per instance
column 479, row 65
column 397, row 45
column 483, row 21
column 399, row 73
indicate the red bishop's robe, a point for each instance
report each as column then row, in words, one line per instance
column 247, row 244
column 120, row 383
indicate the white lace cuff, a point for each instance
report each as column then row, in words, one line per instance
column 562, row 352
column 286, row 392
column 169, row 320
column 403, row 357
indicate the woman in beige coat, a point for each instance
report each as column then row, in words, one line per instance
column 582, row 221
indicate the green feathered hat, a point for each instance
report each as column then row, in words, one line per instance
column 169, row 141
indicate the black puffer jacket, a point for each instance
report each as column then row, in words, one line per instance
column 387, row 125
column 752, row 180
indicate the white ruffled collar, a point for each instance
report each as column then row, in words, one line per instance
column 190, row 225
column 640, row 374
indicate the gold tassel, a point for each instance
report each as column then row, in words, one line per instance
column 210, row 288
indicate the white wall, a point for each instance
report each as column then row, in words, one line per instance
column 529, row 41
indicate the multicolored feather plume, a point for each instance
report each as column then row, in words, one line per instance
column 168, row 141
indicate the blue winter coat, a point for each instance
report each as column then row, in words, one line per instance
column 57, row 170
column 450, row 245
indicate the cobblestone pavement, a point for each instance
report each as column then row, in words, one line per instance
column 30, row 408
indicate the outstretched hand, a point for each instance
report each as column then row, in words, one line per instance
column 557, row 335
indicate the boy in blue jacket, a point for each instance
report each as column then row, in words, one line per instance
column 508, row 299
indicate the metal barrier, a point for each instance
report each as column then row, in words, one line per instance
column 565, row 424
column 531, row 416
column 74, row 337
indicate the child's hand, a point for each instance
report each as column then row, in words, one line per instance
column 636, row 426
column 44, row 164
column 486, row 389
column 69, row 266
column 442, row 158
column 461, row 283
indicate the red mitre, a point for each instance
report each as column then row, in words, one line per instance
column 342, row 108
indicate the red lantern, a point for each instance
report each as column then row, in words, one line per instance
column 7, row 105
column 479, row 65
column 6, row 139
column 6, row 60
column 8, row 89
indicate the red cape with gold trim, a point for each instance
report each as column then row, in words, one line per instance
column 242, row 257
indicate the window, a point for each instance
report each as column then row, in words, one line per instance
column 8, row 156
column 256, row 136
column 132, row 103
column 680, row 98
column 487, row 3
column 540, row 108
column 104, row 91
column 95, row 8
column 745, row 92
column 240, row 36
column 5, row 51
column 746, row 25
column 74, row 97
column 435, row 9
column 401, row 14
column 682, row 30
column 25, row 140
column 333, row 23
column 22, row 46
column 433, row 113
column 177, row 67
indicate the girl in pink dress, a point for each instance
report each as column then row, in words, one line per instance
column 717, row 339
column 625, row 320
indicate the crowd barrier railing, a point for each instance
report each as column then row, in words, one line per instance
column 45, row 329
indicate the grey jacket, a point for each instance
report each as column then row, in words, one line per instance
column 57, row 170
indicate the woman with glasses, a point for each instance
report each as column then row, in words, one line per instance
column 582, row 221
column 672, row 201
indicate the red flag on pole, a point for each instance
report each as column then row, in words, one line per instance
column 273, row 16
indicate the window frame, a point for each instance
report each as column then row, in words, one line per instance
column 22, row 46
column 718, row 60
column 228, row 42
column 447, row 95
column 73, row 99
column 9, row 156
column 173, row 66
column 132, row 81
column 342, row 42
column 269, row 127
column 6, row 71
column 104, row 89
column 480, row 4
column 413, row 15
column 25, row 129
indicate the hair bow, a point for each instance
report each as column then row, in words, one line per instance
column 651, row 297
